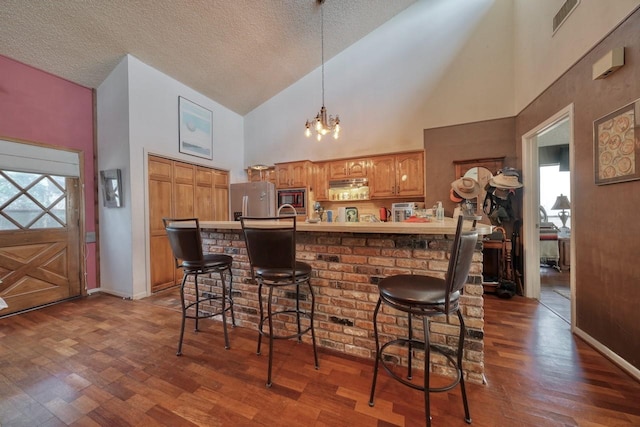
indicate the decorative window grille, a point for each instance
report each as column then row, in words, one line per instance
column 32, row 201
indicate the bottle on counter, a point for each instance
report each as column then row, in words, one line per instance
column 439, row 212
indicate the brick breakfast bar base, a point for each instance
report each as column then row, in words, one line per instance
column 348, row 261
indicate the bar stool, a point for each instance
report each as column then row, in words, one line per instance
column 186, row 244
column 425, row 297
column 271, row 246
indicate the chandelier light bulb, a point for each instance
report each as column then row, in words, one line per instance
column 319, row 136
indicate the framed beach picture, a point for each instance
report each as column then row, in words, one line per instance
column 195, row 131
column 617, row 145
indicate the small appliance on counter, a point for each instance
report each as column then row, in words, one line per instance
column 403, row 211
column 252, row 199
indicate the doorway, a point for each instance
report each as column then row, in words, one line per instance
column 542, row 248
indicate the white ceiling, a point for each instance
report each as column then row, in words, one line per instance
column 239, row 53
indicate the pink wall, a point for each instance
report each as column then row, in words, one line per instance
column 36, row 106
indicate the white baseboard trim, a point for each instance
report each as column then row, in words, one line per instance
column 116, row 293
column 606, row 351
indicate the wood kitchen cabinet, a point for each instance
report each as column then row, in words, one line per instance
column 351, row 168
column 180, row 190
column 220, row 195
column 321, row 181
column 262, row 175
column 399, row 175
column 293, row 174
column 203, row 207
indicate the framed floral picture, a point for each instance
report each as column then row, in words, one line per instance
column 195, row 133
column 617, row 145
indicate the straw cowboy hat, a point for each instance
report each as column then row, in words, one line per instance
column 505, row 181
column 467, row 188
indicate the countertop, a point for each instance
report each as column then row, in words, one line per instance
column 448, row 226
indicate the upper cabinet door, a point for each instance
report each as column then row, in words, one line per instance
column 321, row 181
column 357, row 168
column 410, row 174
column 204, row 203
column 383, row 177
column 400, row 175
column 183, row 189
column 344, row 169
column 292, row 175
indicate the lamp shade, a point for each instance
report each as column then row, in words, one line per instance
column 562, row 202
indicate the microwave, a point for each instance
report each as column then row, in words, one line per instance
column 296, row 197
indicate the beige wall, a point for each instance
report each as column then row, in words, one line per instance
column 443, row 146
column 606, row 241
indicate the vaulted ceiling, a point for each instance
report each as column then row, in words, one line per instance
column 239, row 53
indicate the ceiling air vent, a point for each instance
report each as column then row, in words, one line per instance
column 564, row 13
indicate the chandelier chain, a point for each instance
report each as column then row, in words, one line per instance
column 322, row 124
column 322, row 45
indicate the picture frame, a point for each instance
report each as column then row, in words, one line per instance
column 195, row 136
column 616, row 145
column 111, row 188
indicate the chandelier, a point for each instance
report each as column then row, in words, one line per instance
column 321, row 124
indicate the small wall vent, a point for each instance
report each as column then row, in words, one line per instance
column 564, row 12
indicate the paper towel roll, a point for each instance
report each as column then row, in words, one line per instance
column 342, row 215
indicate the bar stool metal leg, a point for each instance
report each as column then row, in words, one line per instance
column 233, row 317
column 184, row 316
column 313, row 333
column 261, row 322
column 463, row 329
column 270, row 318
column 196, row 315
column 223, row 308
column 427, row 359
column 377, row 358
column 410, row 358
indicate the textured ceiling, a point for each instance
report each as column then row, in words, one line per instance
column 239, row 53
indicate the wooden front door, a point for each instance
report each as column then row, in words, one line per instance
column 39, row 239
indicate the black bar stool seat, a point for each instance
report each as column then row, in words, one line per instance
column 278, row 275
column 412, row 290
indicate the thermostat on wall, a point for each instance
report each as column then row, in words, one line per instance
column 609, row 63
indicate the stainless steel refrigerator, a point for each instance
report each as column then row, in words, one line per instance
column 252, row 199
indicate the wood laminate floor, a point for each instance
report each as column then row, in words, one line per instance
column 555, row 291
column 104, row 361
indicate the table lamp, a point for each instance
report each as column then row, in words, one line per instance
column 562, row 202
